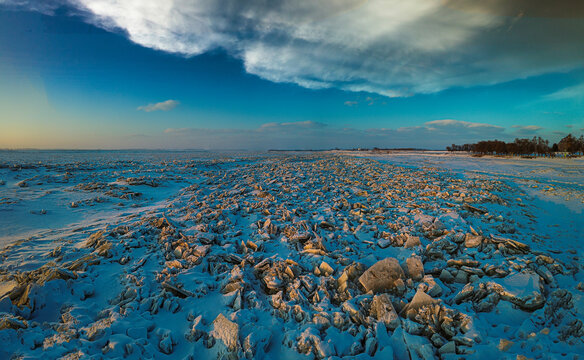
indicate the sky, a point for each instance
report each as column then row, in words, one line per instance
column 302, row 74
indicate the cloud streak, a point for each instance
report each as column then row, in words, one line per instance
column 160, row 106
column 390, row 47
column 449, row 123
column 314, row 135
column 528, row 130
column 575, row 92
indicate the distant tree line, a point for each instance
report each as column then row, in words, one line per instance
column 535, row 146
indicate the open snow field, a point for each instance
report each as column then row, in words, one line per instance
column 194, row 255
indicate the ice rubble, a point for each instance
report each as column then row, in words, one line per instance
column 314, row 256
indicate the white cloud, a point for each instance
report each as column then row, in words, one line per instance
column 389, row 47
column 463, row 124
column 161, row 106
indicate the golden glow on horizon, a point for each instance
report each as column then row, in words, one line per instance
column 29, row 120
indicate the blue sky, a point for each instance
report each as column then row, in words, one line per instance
column 83, row 76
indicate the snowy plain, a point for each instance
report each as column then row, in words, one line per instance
column 154, row 254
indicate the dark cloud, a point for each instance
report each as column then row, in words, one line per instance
column 389, row 47
column 528, row 8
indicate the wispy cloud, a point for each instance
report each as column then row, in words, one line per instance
column 526, row 130
column 314, row 135
column 458, row 128
column 461, row 124
column 292, row 125
column 575, row 92
column 390, row 47
column 161, row 106
column 370, row 100
column 528, row 127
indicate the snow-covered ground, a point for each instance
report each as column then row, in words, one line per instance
column 307, row 255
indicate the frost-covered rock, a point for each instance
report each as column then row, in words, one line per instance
column 414, row 268
column 382, row 275
column 8, row 321
column 472, row 241
column 226, row 331
column 522, row 289
column 505, row 345
column 420, row 299
column 423, row 220
column 412, row 242
column 165, row 345
column 98, row 329
column 446, row 276
column 257, row 343
column 430, row 286
column 382, row 310
column 448, row 348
